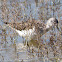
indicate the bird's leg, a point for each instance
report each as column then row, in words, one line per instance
column 27, row 45
column 39, row 39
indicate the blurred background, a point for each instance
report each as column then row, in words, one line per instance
column 13, row 47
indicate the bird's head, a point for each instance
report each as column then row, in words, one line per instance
column 52, row 22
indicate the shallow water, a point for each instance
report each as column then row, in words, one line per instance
column 14, row 48
column 17, row 50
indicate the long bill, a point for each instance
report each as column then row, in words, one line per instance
column 58, row 27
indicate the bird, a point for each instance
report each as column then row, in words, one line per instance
column 31, row 29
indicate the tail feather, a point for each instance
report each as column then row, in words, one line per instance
column 6, row 25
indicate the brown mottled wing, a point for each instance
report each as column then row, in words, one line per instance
column 27, row 25
column 18, row 26
column 22, row 25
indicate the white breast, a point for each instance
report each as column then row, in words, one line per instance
column 26, row 33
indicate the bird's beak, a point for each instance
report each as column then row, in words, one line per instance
column 58, row 27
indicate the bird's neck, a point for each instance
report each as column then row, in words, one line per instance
column 48, row 27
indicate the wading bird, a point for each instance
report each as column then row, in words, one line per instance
column 32, row 28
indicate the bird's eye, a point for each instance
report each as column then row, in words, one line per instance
column 56, row 21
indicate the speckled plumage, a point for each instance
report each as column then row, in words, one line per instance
column 32, row 28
